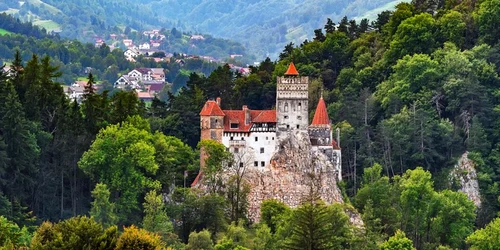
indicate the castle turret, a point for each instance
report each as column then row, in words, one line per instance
column 212, row 121
column 291, row 102
column 321, row 136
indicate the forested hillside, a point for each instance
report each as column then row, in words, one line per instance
column 72, row 57
column 263, row 27
column 410, row 93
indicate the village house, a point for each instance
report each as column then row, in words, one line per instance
column 144, row 46
column 197, row 37
column 131, row 54
column 128, row 42
column 150, row 79
column 77, row 89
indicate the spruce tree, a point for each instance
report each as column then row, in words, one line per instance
column 102, row 210
column 310, row 225
column 22, row 149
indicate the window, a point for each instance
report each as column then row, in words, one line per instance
column 299, row 117
column 241, row 164
column 300, row 105
column 286, row 107
column 261, row 150
column 231, row 138
column 262, row 164
column 234, row 125
column 273, row 138
column 256, row 138
column 267, row 138
column 242, row 138
column 287, row 126
column 236, row 150
column 256, row 163
column 298, row 126
column 286, row 116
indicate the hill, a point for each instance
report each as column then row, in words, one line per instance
column 264, row 27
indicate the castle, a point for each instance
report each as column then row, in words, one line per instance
column 258, row 133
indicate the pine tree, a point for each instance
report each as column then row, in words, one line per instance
column 155, row 219
column 310, row 225
column 329, row 26
column 102, row 210
column 22, row 149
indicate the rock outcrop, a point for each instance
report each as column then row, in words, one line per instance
column 465, row 177
column 294, row 169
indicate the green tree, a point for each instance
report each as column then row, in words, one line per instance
column 123, row 157
column 216, row 159
column 75, row 233
column 454, row 218
column 10, row 233
column 417, row 193
column 485, row 17
column 136, row 238
column 263, row 238
column 329, row 26
column 155, row 216
column 379, row 197
column 199, row 241
column 487, row 238
column 310, row 227
column 414, row 35
column 398, row 242
column 18, row 178
column 102, row 210
column 272, row 212
column 452, row 27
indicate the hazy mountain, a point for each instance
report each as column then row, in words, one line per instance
column 263, row 26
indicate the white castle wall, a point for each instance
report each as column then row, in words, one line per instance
column 248, row 142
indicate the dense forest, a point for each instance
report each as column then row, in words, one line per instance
column 263, row 27
column 410, row 92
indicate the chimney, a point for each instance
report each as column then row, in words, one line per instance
column 218, row 100
column 247, row 114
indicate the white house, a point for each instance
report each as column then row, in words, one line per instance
column 144, row 46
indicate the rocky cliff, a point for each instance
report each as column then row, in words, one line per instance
column 294, row 169
column 464, row 176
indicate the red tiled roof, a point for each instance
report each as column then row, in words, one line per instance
column 197, row 179
column 321, row 115
column 238, row 116
column 211, row 108
column 292, row 71
column 265, row 116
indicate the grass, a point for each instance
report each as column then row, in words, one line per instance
column 4, row 32
column 49, row 25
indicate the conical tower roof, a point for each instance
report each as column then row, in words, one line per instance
column 292, row 71
column 321, row 115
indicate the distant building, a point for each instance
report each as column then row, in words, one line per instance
column 128, row 42
column 197, row 37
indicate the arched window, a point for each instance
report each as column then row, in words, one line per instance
column 286, row 107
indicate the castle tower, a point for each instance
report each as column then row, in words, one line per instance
column 321, row 136
column 212, row 121
column 291, row 102
column 211, row 124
